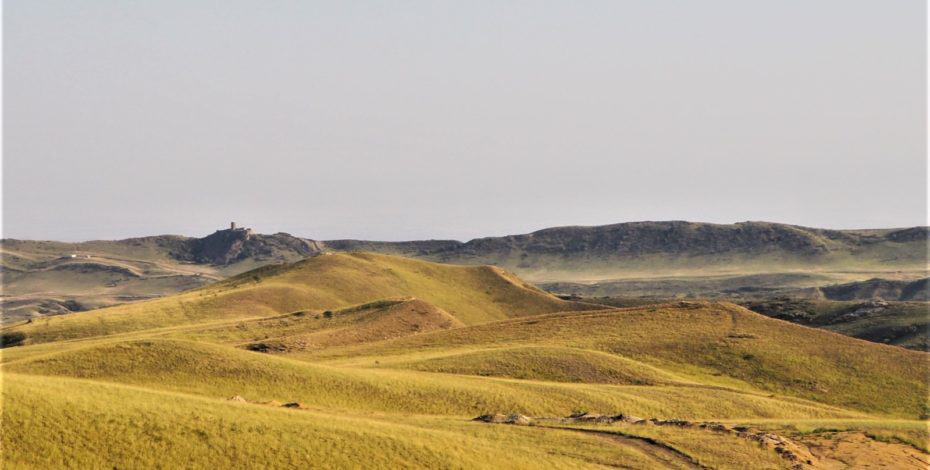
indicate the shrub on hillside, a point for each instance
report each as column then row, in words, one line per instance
column 12, row 338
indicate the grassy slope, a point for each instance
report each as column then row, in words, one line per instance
column 143, row 428
column 374, row 321
column 380, row 319
column 149, row 380
column 221, row 371
column 552, row 364
column 470, row 294
column 706, row 340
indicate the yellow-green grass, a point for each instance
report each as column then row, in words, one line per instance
column 55, row 423
column 704, row 447
column 470, row 294
column 699, row 349
column 73, row 422
column 314, row 329
column 221, row 371
column 707, row 341
column 553, row 364
column 151, row 380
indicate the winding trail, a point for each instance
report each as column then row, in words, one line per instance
column 662, row 453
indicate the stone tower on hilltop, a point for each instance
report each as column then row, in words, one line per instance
column 235, row 228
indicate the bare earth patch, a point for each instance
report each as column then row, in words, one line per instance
column 856, row 450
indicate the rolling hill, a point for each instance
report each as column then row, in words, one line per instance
column 470, row 295
column 752, row 261
column 362, row 357
column 708, row 340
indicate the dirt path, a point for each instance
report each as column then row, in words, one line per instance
column 663, row 454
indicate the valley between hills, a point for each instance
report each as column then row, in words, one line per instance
column 361, row 359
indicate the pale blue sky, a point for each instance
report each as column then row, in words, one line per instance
column 402, row 120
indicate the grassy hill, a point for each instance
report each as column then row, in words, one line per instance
column 349, row 358
column 904, row 324
column 333, row 281
column 218, row 371
column 714, row 343
column 147, row 427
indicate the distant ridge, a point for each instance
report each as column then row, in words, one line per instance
column 47, row 277
column 627, row 239
column 638, row 238
column 655, row 246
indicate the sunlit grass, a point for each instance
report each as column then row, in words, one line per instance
column 384, row 380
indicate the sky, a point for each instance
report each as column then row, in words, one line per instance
column 428, row 119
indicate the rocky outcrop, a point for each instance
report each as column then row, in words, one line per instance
column 518, row 419
column 232, row 245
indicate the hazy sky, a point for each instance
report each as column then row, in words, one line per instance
column 400, row 120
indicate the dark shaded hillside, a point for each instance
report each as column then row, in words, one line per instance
column 905, row 324
column 885, row 289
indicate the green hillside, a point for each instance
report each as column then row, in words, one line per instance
column 469, row 294
column 705, row 342
column 348, row 358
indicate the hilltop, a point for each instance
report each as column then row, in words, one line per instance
column 225, row 247
column 368, row 357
